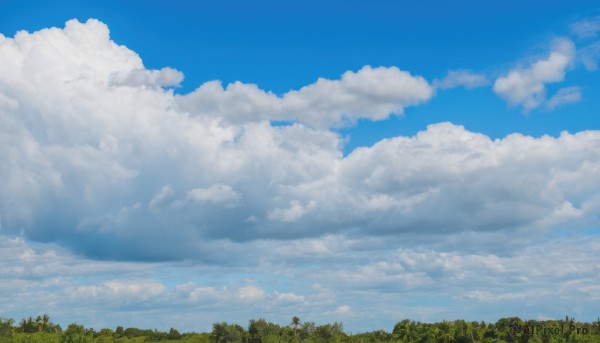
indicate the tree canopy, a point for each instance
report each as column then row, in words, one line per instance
column 506, row 330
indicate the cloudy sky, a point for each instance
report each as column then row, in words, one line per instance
column 183, row 163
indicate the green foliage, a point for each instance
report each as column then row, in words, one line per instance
column 174, row 334
column 228, row 333
column 6, row 328
column 75, row 333
column 505, row 330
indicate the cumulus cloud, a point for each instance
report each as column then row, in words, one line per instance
column 372, row 93
column 130, row 171
column 101, row 161
column 461, row 78
column 526, row 87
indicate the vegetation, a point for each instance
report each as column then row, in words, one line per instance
column 505, row 330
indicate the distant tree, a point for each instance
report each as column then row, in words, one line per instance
column 295, row 323
column 55, row 328
column 223, row 332
column 28, row 325
column 257, row 330
column 106, row 332
column 403, row 330
column 218, row 332
column 329, row 332
column 6, row 327
column 307, row 329
column 75, row 333
column 38, row 323
column 119, row 331
column 174, row 334
column 45, row 323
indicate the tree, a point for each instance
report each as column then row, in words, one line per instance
column 28, row 325
column 45, row 322
column 6, row 327
column 105, row 332
column 403, row 330
column 223, row 332
column 329, row 332
column 295, row 323
column 307, row 330
column 258, row 330
column 174, row 334
column 75, row 333
column 42, row 323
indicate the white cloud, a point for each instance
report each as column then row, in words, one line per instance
column 99, row 157
column 589, row 56
column 292, row 213
column 461, row 78
column 116, row 172
column 372, row 93
column 551, row 276
column 125, row 291
column 161, row 197
column 564, row 96
column 216, row 194
column 343, row 310
column 288, row 297
column 251, row 293
column 82, row 181
column 586, row 28
column 526, row 87
column 166, row 77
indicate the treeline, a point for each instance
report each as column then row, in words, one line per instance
column 505, row 330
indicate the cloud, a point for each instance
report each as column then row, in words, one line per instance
column 251, row 293
column 216, row 194
column 526, row 87
column 564, row 96
column 289, row 298
column 461, row 78
column 552, row 276
column 166, row 77
column 372, row 93
column 136, row 172
column 119, row 196
column 589, row 56
column 122, row 291
column 343, row 310
column 586, row 28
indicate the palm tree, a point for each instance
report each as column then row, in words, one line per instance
column 295, row 323
column 28, row 325
column 45, row 322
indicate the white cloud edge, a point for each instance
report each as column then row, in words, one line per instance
column 526, row 87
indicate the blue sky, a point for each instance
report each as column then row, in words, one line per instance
column 185, row 163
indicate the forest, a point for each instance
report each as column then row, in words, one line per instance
column 42, row 329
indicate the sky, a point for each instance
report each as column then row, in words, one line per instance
column 177, row 164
